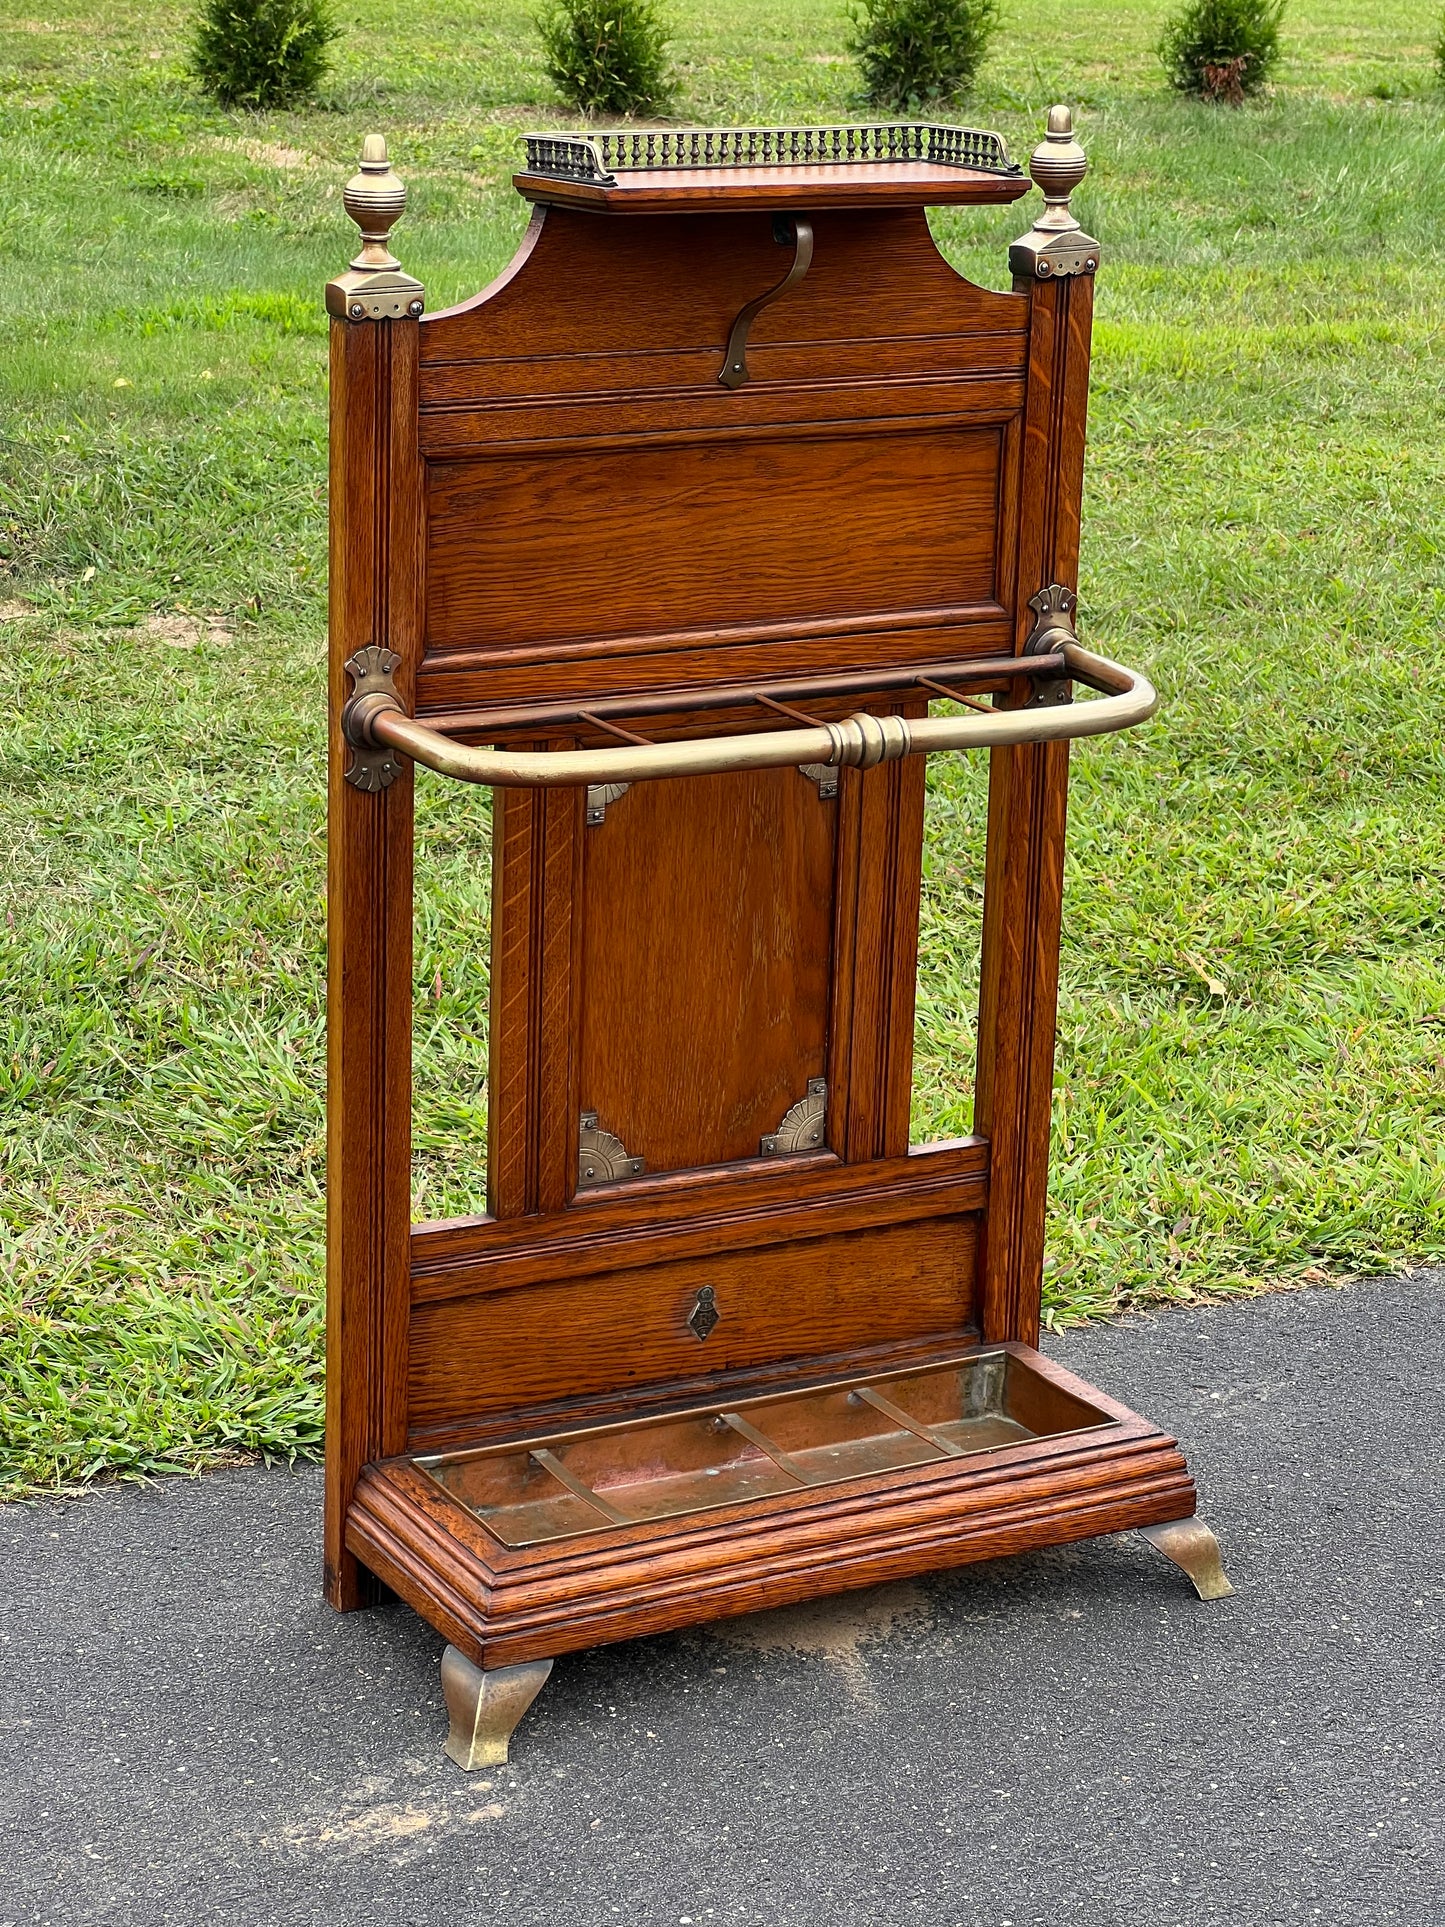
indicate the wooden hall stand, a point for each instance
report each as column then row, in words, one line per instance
column 675, row 535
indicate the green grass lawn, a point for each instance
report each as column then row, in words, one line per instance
column 1252, row 1066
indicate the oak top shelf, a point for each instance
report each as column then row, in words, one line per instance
column 732, row 169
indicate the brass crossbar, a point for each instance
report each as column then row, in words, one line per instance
column 374, row 720
column 746, row 1429
column 927, row 1433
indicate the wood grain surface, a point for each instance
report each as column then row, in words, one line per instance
column 627, row 1328
column 602, row 514
column 570, row 546
column 707, row 927
column 376, row 596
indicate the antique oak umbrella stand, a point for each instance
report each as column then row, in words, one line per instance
column 692, row 535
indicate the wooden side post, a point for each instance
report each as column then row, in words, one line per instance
column 1054, row 265
column 375, row 597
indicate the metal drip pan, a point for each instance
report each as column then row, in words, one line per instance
column 674, row 1464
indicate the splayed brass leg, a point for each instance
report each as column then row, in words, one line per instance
column 485, row 1708
column 1195, row 1550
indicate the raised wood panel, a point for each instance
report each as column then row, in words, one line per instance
column 880, row 875
column 501, row 383
column 713, row 417
column 532, row 1062
column 706, row 935
column 639, row 541
column 628, row 1328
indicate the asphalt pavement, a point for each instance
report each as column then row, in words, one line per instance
column 189, row 1736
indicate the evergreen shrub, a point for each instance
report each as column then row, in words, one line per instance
column 916, row 53
column 1222, row 49
column 261, row 53
column 607, row 56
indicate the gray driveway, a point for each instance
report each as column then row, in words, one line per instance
column 188, row 1735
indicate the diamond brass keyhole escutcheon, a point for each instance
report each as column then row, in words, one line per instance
column 704, row 1315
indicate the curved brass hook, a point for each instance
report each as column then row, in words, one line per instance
column 800, row 233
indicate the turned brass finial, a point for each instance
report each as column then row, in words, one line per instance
column 1056, row 245
column 374, row 199
column 1057, row 165
column 375, row 288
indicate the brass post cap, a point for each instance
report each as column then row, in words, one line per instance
column 375, row 288
column 1057, row 165
column 1056, row 245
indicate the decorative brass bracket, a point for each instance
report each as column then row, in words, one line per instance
column 601, row 1157
column 787, row 232
column 599, row 796
column 1056, row 245
column 375, row 288
column 825, row 775
column 372, row 671
column 1054, row 607
column 803, row 1124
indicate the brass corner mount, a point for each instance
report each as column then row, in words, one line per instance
column 1053, row 630
column 1056, row 246
column 375, row 288
column 373, row 766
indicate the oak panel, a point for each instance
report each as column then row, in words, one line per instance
column 499, row 381
column 642, row 541
column 706, row 934
column 580, row 286
column 689, row 1214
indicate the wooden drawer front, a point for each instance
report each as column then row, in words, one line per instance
column 620, row 1329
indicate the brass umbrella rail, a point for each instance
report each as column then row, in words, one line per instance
column 376, row 724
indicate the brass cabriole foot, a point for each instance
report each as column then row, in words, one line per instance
column 1194, row 1549
column 485, row 1709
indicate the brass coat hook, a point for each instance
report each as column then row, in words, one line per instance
column 798, row 235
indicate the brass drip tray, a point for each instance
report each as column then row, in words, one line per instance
column 667, row 1466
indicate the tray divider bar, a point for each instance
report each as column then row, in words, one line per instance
column 899, row 1417
column 610, row 729
column 764, row 1444
column 783, row 709
column 954, row 695
column 579, row 1490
